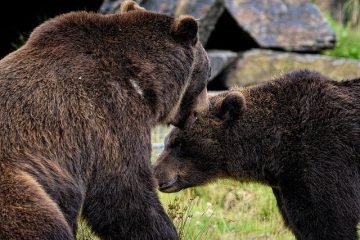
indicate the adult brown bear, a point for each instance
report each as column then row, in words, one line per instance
column 299, row 134
column 77, row 104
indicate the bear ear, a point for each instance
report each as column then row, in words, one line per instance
column 185, row 28
column 232, row 107
column 128, row 6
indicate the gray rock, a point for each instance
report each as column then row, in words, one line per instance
column 163, row 6
column 219, row 60
column 294, row 25
column 207, row 11
column 258, row 66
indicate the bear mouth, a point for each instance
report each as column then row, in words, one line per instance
column 168, row 186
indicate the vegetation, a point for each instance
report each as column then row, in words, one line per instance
column 19, row 42
column 352, row 14
column 84, row 232
column 223, row 210
column 227, row 210
column 348, row 41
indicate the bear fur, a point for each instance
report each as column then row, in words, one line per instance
column 299, row 134
column 77, row 102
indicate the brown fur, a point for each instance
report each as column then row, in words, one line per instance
column 77, row 104
column 299, row 134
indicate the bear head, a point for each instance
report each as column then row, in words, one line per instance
column 183, row 30
column 154, row 57
column 196, row 154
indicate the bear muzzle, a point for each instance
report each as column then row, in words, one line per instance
column 168, row 186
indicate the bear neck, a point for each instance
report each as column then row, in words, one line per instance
column 259, row 140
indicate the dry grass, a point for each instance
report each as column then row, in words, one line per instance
column 352, row 14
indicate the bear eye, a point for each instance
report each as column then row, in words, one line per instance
column 176, row 146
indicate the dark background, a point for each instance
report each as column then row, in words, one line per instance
column 19, row 18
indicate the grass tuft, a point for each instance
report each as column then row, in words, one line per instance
column 227, row 210
column 348, row 41
column 84, row 232
column 352, row 14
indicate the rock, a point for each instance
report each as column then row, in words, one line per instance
column 219, row 60
column 163, row 6
column 293, row 25
column 207, row 11
column 258, row 66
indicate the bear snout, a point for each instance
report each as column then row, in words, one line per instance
column 167, row 185
column 166, row 178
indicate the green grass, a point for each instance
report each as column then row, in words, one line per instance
column 348, row 41
column 84, row 232
column 229, row 210
column 223, row 210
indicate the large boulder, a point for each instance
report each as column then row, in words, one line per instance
column 257, row 66
column 292, row 25
column 219, row 60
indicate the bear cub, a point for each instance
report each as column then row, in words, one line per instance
column 299, row 134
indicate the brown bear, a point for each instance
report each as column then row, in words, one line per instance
column 77, row 104
column 299, row 134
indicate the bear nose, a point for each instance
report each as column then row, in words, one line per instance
column 168, row 184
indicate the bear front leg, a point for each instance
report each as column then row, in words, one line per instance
column 280, row 205
column 314, row 215
column 27, row 211
column 126, row 206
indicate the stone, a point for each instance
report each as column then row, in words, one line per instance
column 292, row 25
column 207, row 11
column 257, row 66
column 220, row 59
